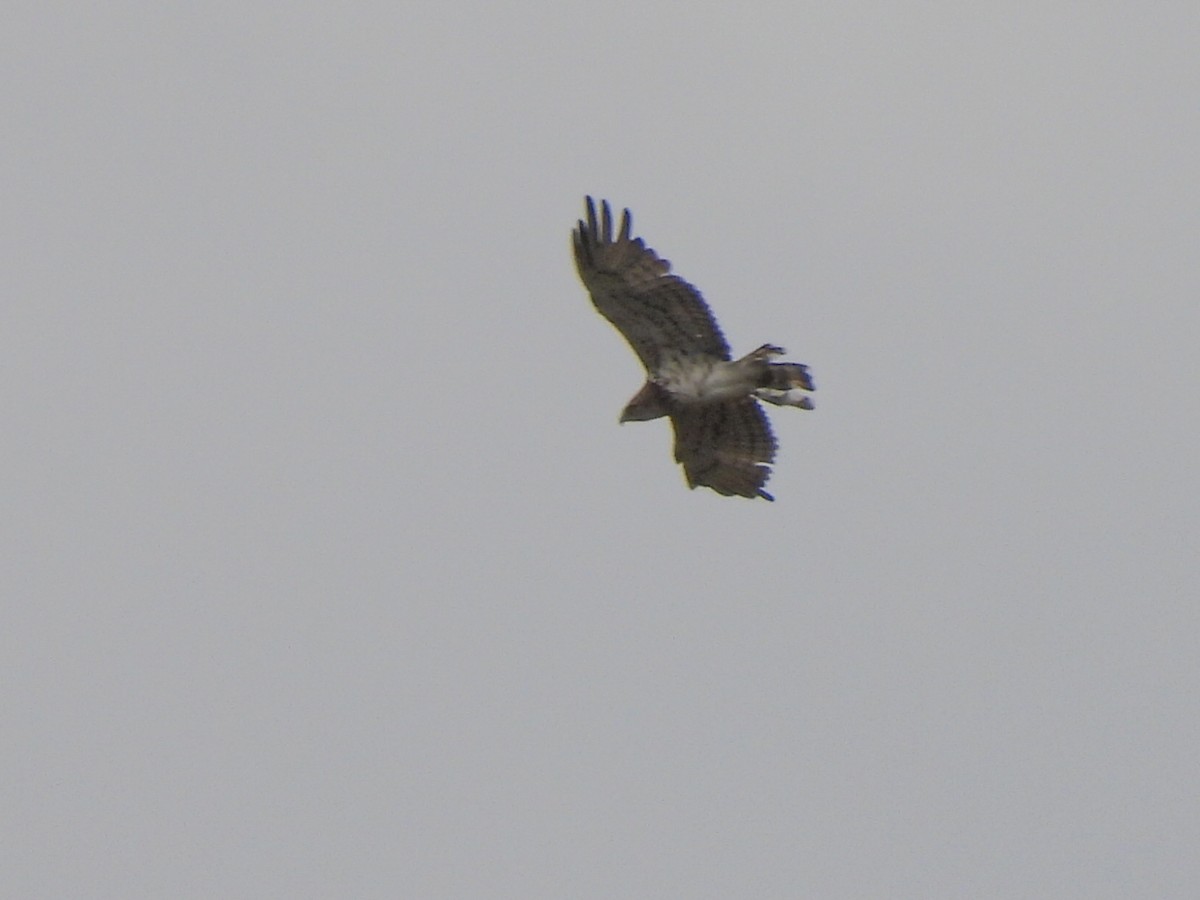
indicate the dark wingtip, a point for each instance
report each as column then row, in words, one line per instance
column 765, row 495
column 600, row 221
column 605, row 222
column 579, row 238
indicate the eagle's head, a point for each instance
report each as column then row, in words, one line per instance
column 648, row 403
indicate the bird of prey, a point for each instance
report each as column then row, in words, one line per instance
column 722, row 436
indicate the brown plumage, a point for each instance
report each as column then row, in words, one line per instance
column 722, row 437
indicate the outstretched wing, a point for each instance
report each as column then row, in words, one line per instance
column 726, row 446
column 633, row 288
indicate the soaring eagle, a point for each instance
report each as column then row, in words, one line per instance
column 722, row 436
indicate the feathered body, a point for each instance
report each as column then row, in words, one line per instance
column 722, row 437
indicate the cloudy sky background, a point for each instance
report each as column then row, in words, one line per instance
column 328, row 571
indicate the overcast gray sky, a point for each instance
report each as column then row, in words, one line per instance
column 329, row 573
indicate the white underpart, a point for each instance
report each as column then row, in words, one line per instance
column 705, row 380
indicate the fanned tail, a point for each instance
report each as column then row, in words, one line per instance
column 785, row 376
column 782, row 384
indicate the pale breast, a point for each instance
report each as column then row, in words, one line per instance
column 704, row 379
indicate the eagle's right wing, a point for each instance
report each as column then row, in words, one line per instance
column 725, row 446
column 633, row 288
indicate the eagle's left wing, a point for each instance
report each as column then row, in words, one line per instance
column 726, row 446
column 632, row 287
